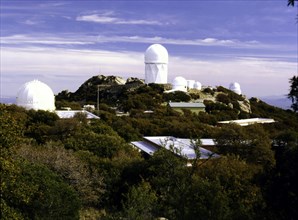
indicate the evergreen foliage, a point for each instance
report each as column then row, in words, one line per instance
column 293, row 94
column 74, row 168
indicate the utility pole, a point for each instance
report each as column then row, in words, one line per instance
column 97, row 97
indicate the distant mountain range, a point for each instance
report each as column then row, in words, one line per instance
column 278, row 101
column 8, row 100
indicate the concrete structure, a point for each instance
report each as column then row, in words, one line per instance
column 235, row 87
column 156, row 64
column 249, row 121
column 180, row 146
column 36, row 95
column 194, row 107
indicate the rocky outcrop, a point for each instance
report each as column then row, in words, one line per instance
column 114, row 89
column 245, row 106
column 101, row 87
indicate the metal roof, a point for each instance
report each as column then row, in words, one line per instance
column 180, row 146
column 145, row 146
column 186, row 104
column 249, row 121
column 71, row 114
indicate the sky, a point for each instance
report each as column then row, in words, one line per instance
column 64, row 43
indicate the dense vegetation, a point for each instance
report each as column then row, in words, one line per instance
column 55, row 168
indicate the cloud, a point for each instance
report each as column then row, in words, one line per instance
column 67, row 69
column 48, row 40
column 100, row 39
column 31, row 22
column 232, row 43
column 108, row 18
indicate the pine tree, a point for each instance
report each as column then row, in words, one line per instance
column 293, row 94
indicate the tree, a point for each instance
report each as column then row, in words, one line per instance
column 291, row 2
column 140, row 202
column 293, row 94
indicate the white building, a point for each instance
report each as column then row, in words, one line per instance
column 190, row 84
column 180, row 84
column 235, row 87
column 39, row 96
column 181, row 146
column 36, row 95
column 249, row 121
column 156, row 64
column 197, row 85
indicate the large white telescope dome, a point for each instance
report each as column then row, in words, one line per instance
column 156, row 64
column 235, row 87
column 36, row 95
column 156, row 53
column 180, row 84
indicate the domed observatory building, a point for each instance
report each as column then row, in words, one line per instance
column 190, row 84
column 36, row 95
column 235, row 87
column 197, row 85
column 156, row 64
column 180, row 84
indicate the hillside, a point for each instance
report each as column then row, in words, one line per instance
column 55, row 168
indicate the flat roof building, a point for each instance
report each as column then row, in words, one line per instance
column 195, row 107
column 249, row 121
column 182, row 147
column 72, row 113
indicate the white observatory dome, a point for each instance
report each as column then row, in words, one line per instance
column 180, row 83
column 36, row 95
column 156, row 64
column 190, row 84
column 235, row 87
column 156, row 53
column 198, row 85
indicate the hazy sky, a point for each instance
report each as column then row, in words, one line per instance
column 64, row 43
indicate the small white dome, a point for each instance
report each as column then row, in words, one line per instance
column 198, row 85
column 190, row 84
column 180, row 83
column 235, row 87
column 36, row 95
column 156, row 53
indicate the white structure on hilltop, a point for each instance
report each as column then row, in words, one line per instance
column 235, row 87
column 190, row 84
column 36, row 95
column 180, row 84
column 197, row 85
column 156, row 64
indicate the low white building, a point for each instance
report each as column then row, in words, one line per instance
column 180, row 146
column 71, row 113
column 249, row 121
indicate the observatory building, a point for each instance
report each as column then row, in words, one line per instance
column 36, row 95
column 190, row 84
column 235, row 87
column 156, row 64
column 180, row 84
column 197, row 85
